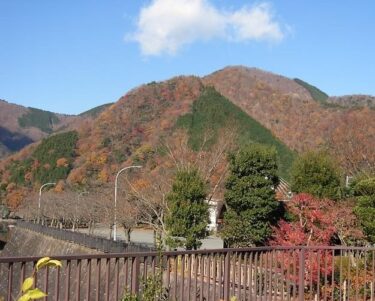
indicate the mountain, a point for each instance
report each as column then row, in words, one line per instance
column 288, row 108
column 94, row 112
column 20, row 126
column 258, row 106
column 316, row 93
column 353, row 101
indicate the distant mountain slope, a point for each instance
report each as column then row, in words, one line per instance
column 315, row 92
column 254, row 78
column 13, row 141
column 94, row 112
column 263, row 107
column 20, row 126
column 212, row 111
column 40, row 119
column 132, row 131
column 353, row 101
column 138, row 121
column 345, row 101
column 291, row 114
column 3, row 150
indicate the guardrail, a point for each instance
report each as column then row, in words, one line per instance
column 89, row 241
column 277, row 273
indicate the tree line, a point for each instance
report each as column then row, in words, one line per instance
column 173, row 199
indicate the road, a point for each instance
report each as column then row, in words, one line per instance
column 146, row 236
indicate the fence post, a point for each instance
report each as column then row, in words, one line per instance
column 301, row 274
column 226, row 282
column 135, row 275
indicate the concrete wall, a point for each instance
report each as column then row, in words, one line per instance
column 23, row 242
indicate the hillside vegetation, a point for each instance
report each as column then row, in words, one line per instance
column 260, row 106
column 50, row 161
column 21, row 126
column 212, row 112
column 94, row 112
column 316, row 93
column 40, row 119
column 13, row 141
column 300, row 122
column 353, row 101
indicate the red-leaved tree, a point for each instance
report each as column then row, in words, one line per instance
column 312, row 225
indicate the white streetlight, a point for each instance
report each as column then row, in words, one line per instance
column 115, row 213
column 40, row 196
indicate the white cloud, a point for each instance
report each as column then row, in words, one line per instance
column 255, row 23
column 165, row 26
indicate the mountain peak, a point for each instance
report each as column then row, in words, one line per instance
column 252, row 76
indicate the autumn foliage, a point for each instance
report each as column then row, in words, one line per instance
column 311, row 224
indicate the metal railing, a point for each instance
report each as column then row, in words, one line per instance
column 277, row 273
column 89, row 241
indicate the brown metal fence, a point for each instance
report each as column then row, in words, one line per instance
column 278, row 273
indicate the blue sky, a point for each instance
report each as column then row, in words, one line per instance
column 69, row 56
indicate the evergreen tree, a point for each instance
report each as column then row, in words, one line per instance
column 250, row 197
column 316, row 173
column 188, row 216
column 365, row 209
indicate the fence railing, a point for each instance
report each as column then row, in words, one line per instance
column 89, row 241
column 278, row 273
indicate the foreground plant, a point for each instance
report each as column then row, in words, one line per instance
column 153, row 290
column 28, row 290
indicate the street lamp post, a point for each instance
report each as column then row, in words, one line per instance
column 115, row 211
column 40, row 197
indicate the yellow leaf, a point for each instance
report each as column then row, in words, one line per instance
column 42, row 262
column 36, row 294
column 24, row 298
column 27, row 284
column 54, row 263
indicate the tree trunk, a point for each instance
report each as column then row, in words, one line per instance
column 110, row 231
column 127, row 232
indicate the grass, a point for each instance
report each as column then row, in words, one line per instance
column 212, row 112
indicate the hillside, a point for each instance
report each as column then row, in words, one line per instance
column 94, row 112
column 3, row 150
column 315, row 92
column 213, row 111
column 132, row 131
column 353, row 101
column 259, row 106
column 292, row 114
column 20, row 126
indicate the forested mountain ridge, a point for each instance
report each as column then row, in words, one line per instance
column 294, row 116
column 353, row 101
column 258, row 106
column 131, row 131
column 20, row 126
